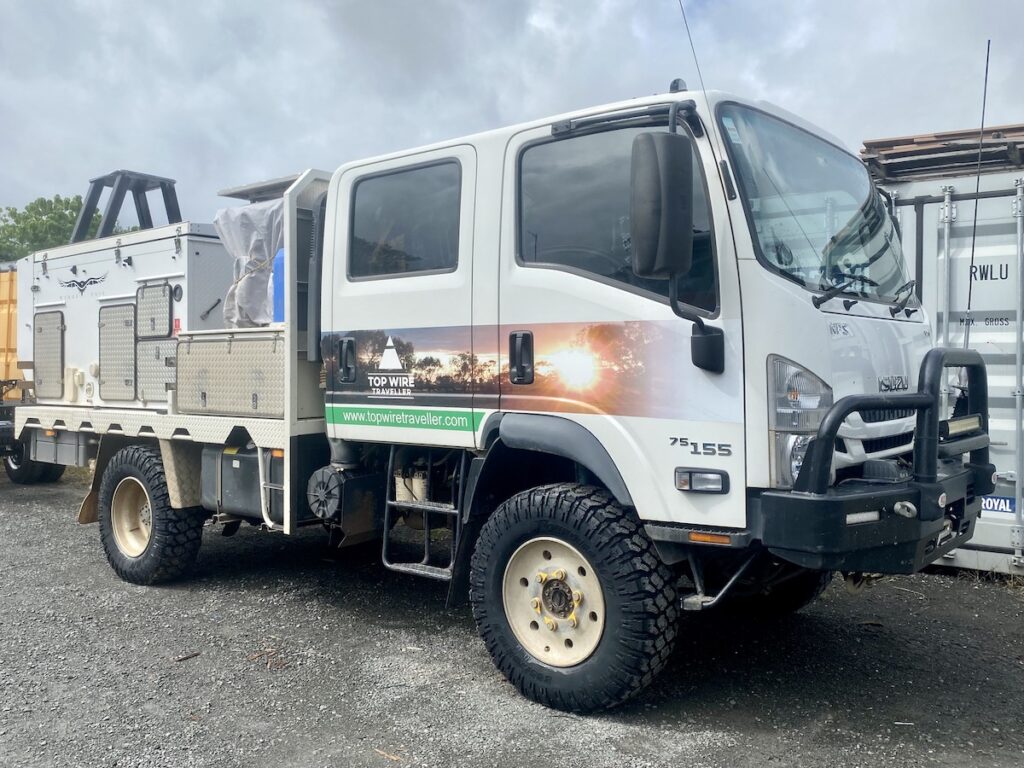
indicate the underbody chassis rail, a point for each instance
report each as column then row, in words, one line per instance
column 890, row 527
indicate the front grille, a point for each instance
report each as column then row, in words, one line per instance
column 877, row 444
column 886, row 414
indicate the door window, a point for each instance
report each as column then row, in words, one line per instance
column 574, row 215
column 406, row 222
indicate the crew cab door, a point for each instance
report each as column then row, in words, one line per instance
column 399, row 344
column 583, row 338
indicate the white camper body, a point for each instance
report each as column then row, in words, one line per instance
column 101, row 318
column 934, row 185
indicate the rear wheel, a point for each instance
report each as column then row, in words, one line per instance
column 19, row 467
column 50, row 473
column 575, row 607
column 145, row 539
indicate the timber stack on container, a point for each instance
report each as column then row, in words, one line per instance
column 951, row 153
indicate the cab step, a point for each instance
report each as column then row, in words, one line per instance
column 428, row 509
column 419, row 569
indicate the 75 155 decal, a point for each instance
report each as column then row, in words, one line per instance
column 702, row 449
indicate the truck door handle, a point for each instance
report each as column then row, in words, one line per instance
column 520, row 357
column 347, row 360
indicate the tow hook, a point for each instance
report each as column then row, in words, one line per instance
column 857, row 581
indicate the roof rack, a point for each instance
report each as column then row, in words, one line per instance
column 121, row 183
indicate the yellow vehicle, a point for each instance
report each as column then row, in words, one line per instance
column 18, row 465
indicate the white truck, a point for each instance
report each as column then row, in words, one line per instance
column 591, row 370
column 934, row 186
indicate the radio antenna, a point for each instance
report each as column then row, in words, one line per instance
column 693, row 49
column 977, row 192
column 700, row 77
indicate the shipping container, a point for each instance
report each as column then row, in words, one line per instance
column 961, row 232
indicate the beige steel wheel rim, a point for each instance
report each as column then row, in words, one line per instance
column 553, row 602
column 131, row 517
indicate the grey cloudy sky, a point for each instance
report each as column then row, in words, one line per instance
column 216, row 93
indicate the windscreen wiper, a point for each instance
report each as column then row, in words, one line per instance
column 901, row 304
column 835, row 290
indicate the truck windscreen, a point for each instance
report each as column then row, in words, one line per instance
column 815, row 216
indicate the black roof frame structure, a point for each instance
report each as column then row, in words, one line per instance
column 121, row 183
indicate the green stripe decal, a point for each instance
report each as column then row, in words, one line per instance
column 409, row 418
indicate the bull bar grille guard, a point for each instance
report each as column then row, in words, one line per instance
column 814, row 477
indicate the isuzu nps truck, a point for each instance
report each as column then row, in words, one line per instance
column 592, row 371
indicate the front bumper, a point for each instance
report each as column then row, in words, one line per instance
column 918, row 520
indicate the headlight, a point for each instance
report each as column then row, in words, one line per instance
column 797, row 402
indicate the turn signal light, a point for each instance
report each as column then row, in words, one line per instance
column 709, row 538
column 960, row 426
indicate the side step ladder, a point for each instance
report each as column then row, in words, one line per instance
column 427, row 508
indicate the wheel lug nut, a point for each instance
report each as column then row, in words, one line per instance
column 542, row 577
column 573, row 622
column 577, row 597
column 559, row 574
column 550, row 623
column 536, row 604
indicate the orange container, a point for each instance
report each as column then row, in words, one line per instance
column 9, row 330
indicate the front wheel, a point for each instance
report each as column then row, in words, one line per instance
column 146, row 540
column 575, row 607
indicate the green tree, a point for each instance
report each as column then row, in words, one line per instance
column 43, row 223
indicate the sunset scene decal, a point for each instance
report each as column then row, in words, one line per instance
column 623, row 368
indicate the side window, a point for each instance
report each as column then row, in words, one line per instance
column 574, row 214
column 406, row 221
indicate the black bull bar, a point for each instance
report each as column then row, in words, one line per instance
column 918, row 519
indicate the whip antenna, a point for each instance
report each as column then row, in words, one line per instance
column 693, row 50
column 977, row 191
column 700, row 78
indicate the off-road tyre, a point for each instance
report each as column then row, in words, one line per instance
column 19, row 468
column 175, row 534
column 640, row 602
column 800, row 588
column 50, row 473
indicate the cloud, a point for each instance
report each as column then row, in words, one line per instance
column 216, row 93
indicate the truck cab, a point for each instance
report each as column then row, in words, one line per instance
column 592, row 371
column 696, row 351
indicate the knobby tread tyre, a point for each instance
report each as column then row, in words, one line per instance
column 641, row 605
column 51, row 473
column 176, row 533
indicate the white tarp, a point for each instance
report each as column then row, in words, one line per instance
column 252, row 234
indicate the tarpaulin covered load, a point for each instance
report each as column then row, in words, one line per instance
column 252, row 234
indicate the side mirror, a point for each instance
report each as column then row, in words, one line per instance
column 661, row 205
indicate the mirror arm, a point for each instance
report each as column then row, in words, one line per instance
column 679, row 309
column 689, row 110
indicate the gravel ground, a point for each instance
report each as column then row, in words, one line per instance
column 311, row 659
